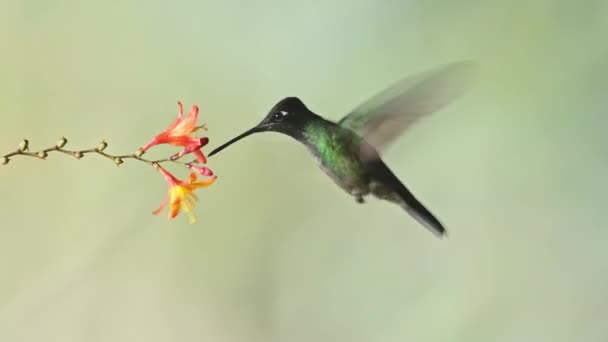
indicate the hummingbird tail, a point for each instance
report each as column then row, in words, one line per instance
column 387, row 186
column 418, row 211
column 425, row 217
column 406, row 200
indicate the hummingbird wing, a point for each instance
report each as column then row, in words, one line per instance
column 388, row 114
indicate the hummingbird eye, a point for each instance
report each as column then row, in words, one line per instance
column 278, row 116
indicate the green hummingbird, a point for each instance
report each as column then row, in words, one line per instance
column 349, row 150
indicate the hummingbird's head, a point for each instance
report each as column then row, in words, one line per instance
column 288, row 116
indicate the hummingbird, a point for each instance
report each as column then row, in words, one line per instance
column 349, row 150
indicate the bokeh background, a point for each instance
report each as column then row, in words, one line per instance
column 515, row 169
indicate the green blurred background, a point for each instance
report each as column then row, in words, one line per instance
column 515, row 170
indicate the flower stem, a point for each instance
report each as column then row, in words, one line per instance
column 23, row 150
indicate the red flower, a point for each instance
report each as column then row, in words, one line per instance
column 179, row 134
column 181, row 193
column 194, row 146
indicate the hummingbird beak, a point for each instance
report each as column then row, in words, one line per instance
column 255, row 129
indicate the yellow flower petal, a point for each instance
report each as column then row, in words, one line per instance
column 204, row 183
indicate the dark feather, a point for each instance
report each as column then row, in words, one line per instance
column 383, row 175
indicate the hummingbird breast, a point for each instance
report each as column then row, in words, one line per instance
column 337, row 153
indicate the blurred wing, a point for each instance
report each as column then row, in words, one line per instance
column 388, row 114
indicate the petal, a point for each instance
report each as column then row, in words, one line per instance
column 203, row 141
column 193, row 145
column 193, row 116
column 188, row 125
column 169, row 178
column 174, row 207
column 192, row 177
column 162, row 205
column 181, row 140
column 203, row 170
column 180, row 117
column 200, row 156
column 190, row 145
column 161, row 138
column 174, row 124
column 204, row 183
column 180, row 113
column 174, row 129
column 186, row 150
column 177, row 194
column 173, row 211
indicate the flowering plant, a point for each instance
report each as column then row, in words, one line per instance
column 180, row 133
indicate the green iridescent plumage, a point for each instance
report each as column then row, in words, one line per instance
column 338, row 153
column 336, row 149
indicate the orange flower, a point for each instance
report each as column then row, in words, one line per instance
column 181, row 193
column 179, row 134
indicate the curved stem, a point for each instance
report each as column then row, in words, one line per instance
column 78, row 154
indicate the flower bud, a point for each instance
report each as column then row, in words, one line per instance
column 61, row 143
column 24, row 146
column 205, row 171
column 78, row 155
column 102, row 146
column 118, row 161
column 42, row 154
column 5, row 160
